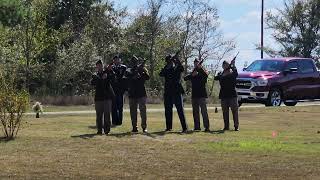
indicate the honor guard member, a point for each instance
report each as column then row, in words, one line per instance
column 104, row 94
column 228, row 93
column 119, row 87
column 198, row 79
column 173, row 91
column 137, row 76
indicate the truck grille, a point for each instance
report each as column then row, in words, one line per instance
column 243, row 84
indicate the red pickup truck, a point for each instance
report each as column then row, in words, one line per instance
column 277, row 80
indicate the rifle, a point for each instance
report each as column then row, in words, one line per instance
column 233, row 60
column 236, row 56
column 137, row 68
column 135, row 59
column 200, row 63
column 211, row 90
column 175, row 58
column 108, row 66
column 143, row 64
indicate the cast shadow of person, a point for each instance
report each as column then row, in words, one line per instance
column 155, row 134
column 85, row 136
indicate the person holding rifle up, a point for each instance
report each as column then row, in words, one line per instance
column 198, row 79
column 137, row 76
column 173, row 91
column 103, row 96
column 228, row 93
column 119, row 87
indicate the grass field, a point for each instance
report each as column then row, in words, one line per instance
column 273, row 143
column 51, row 108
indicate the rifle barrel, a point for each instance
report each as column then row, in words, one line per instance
column 236, row 55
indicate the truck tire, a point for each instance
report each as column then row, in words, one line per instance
column 290, row 103
column 274, row 98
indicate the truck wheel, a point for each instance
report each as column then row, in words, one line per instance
column 274, row 98
column 290, row 103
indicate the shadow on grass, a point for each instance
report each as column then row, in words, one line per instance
column 95, row 127
column 92, row 127
column 217, row 132
column 120, row 135
column 5, row 139
column 151, row 134
column 163, row 133
column 85, row 136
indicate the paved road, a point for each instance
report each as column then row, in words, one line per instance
column 160, row 110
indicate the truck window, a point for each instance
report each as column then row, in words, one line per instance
column 306, row 66
column 266, row 65
column 291, row 64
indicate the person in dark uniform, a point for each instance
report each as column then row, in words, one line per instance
column 199, row 95
column 228, row 93
column 137, row 76
column 119, row 87
column 173, row 91
column 103, row 97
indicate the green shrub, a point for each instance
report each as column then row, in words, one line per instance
column 13, row 104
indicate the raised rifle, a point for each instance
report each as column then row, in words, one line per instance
column 236, row 56
column 137, row 69
column 200, row 63
column 143, row 64
column 175, row 57
column 233, row 60
column 135, row 60
column 106, row 67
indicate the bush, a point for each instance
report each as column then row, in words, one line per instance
column 13, row 103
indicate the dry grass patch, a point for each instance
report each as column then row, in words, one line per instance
column 61, row 147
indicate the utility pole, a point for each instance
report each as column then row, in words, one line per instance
column 262, row 20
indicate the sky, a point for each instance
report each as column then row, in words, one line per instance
column 239, row 19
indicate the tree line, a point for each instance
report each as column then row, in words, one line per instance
column 51, row 45
column 54, row 43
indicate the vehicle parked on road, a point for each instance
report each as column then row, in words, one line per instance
column 277, row 80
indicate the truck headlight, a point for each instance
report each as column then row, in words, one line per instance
column 261, row 82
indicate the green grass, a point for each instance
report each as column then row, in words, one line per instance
column 261, row 146
column 273, row 143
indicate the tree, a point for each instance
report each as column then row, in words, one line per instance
column 11, row 13
column 75, row 12
column 104, row 29
column 13, row 104
column 154, row 23
column 143, row 35
column 200, row 33
column 74, row 68
column 297, row 28
column 44, row 39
